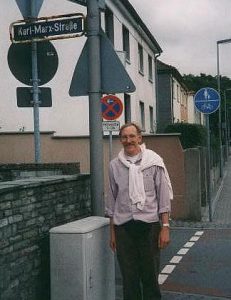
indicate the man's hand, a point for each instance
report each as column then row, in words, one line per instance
column 112, row 236
column 113, row 244
column 164, row 237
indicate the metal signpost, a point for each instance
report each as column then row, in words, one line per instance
column 112, row 108
column 32, row 30
column 207, row 101
column 98, row 71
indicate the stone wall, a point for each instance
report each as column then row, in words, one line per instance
column 28, row 209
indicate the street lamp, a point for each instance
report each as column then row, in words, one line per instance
column 226, row 41
column 226, row 123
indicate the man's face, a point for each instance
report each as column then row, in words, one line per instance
column 130, row 140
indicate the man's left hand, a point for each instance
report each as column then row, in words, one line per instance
column 164, row 237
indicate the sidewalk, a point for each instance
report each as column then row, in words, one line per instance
column 222, row 213
column 221, row 218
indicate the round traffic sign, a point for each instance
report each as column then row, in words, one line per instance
column 112, row 107
column 207, row 100
column 20, row 57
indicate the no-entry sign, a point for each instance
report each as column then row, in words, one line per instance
column 112, row 107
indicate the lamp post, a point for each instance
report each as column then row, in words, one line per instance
column 226, row 123
column 226, row 41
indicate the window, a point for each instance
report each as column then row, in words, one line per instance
column 151, row 119
column 127, row 108
column 142, row 116
column 150, row 68
column 126, row 44
column 109, row 24
column 141, row 59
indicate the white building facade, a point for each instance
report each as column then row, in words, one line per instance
column 69, row 116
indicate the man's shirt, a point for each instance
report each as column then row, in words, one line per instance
column 119, row 206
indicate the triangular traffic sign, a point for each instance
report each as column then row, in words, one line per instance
column 115, row 78
column 25, row 7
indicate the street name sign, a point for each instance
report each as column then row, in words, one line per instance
column 47, row 28
column 207, row 100
column 111, row 125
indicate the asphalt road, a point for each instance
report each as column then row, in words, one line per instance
column 196, row 265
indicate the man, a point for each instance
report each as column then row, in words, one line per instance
column 138, row 206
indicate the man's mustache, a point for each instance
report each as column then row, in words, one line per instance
column 130, row 144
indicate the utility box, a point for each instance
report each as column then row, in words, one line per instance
column 82, row 263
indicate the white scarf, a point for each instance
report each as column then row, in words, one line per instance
column 136, row 183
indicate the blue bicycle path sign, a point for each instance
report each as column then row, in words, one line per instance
column 207, row 100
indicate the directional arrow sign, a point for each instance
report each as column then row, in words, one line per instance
column 64, row 26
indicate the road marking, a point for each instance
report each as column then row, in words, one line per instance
column 189, row 244
column 162, row 278
column 176, row 259
column 194, row 238
column 168, row 269
column 183, row 251
column 199, row 232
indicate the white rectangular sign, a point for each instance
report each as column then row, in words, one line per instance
column 111, row 126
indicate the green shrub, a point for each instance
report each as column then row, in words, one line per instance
column 192, row 135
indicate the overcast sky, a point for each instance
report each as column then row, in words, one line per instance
column 187, row 32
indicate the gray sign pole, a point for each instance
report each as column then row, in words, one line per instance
column 110, row 145
column 35, row 91
column 208, row 164
column 95, row 113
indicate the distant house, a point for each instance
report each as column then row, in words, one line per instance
column 69, row 116
column 174, row 99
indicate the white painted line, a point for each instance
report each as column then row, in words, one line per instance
column 168, row 269
column 199, row 232
column 183, row 251
column 188, row 244
column 162, row 278
column 176, row 259
column 194, row 238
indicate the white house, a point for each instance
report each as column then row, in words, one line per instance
column 68, row 116
column 175, row 101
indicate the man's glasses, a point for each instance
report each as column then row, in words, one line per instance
column 128, row 137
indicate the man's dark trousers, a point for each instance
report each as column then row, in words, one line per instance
column 139, row 258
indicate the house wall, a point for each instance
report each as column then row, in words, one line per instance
column 76, row 117
column 176, row 100
column 164, row 104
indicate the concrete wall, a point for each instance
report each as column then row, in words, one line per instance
column 73, row 149
column 28, row 209
column 192, row 185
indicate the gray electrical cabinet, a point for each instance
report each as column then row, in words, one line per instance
column 82, row 264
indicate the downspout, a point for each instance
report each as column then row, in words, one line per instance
column 172, row 104
column 156, row 89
